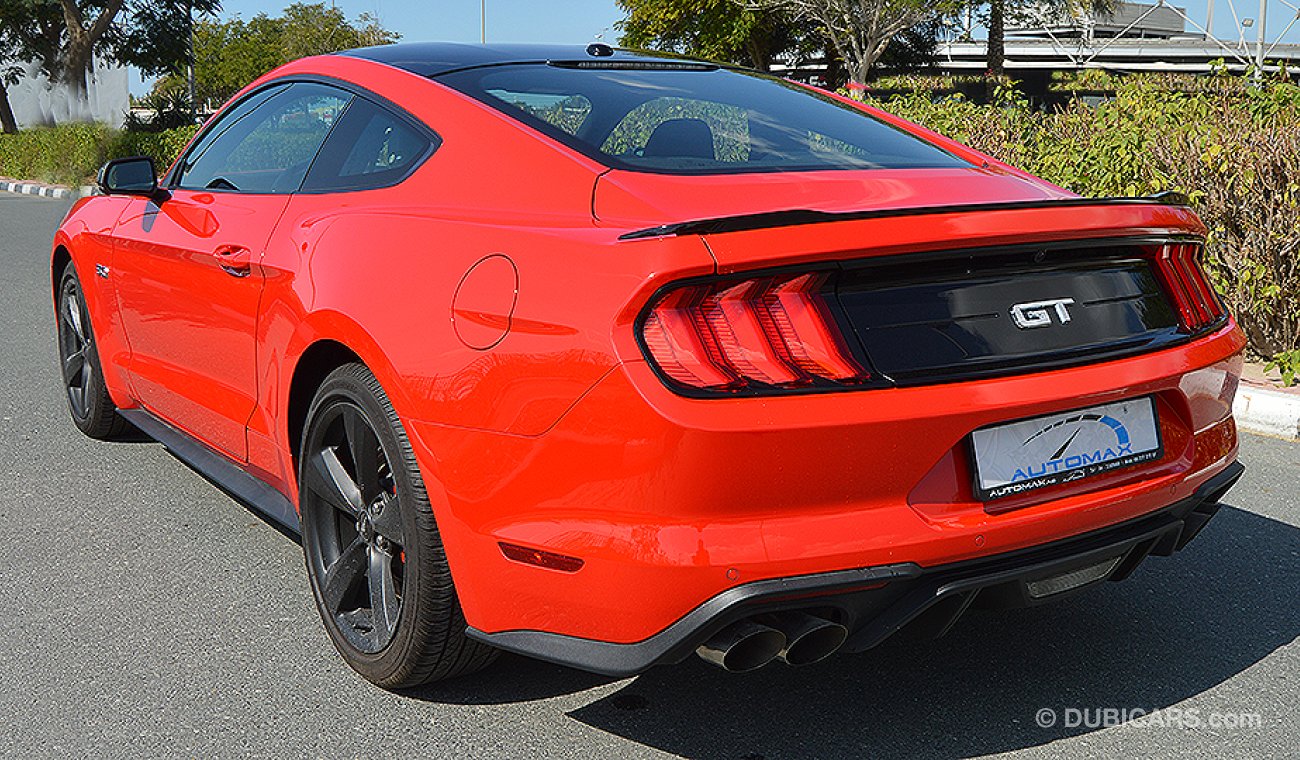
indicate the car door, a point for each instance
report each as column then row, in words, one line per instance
column 187, row 263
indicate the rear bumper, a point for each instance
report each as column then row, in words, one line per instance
column 877, row 602
column 671, row 501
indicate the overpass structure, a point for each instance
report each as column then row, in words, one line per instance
column 1156, row 36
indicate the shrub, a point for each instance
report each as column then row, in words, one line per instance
column 163, row 147
column 60, row 154
column 71, row 154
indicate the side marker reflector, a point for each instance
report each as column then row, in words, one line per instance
column 540, row 558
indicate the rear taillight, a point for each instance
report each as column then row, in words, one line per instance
column 753, row 335
column 1179, row 269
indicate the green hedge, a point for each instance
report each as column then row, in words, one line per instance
column 71, row 154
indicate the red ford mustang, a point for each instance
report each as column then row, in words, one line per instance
column 606, row 358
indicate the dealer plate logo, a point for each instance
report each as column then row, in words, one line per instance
column 1043, row 451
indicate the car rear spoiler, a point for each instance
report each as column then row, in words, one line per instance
column 794, row 217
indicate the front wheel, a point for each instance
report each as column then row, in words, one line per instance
column 89, row 403
column 374, row 558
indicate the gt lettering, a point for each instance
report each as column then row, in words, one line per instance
column 1037, row 314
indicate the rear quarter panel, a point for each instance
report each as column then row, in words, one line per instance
column 379, row 270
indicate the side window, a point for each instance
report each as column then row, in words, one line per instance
column 269, row 147
column 683, row 130
column 225, row 123
column 371, row 147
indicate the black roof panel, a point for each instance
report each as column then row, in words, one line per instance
column 434, row 58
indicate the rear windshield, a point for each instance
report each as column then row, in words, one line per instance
column 700, row 120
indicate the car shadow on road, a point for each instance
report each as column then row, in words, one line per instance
column 1176, row 628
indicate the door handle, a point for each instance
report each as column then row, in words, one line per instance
column 235, row 260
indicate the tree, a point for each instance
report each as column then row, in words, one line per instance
column 859, row 30
column 62, row 37
column 30, row 32
column 8, row 75
column 151, row 35
column 81, row 36
column 230, row 54
column 719, row 30
column 314, row 29
column 154, row 35
column 995, row 54
column 914, row 48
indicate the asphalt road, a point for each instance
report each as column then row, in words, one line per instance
column 148, row 615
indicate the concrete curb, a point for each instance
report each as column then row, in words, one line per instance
column 1260, row 410
column 34, row 188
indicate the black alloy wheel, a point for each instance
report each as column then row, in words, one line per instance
column 374, row 558
column 74, row 343
column 92, row 409
column 359, row 548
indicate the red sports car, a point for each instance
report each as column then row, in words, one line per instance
column 607, row 357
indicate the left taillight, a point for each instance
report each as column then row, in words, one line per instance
column 1179, row 268
column 749, row 336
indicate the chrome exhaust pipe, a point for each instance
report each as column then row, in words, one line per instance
column 808, row 639
column 742, row 646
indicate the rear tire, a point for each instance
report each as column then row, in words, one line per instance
column 91, row 407
column 374, row 559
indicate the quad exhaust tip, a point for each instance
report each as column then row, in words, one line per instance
column 808, row 639
column 793, row 638
column 743, row 646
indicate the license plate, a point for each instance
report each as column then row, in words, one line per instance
column 1026, row 455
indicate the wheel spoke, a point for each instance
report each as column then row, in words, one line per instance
column 77, row 399
column 384, row 604
column 327, row 477
column 74, row 316
column 73, row 366
column 363, row 445
column 343, row 574
column 387, row 519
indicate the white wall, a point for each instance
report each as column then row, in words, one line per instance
column 36, row 103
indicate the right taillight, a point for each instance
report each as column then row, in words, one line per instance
column 756, row 335
column 1179, row 269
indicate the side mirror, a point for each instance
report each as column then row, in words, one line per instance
column 129, row 176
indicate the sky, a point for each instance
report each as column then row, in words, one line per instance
column 561, row 21
column 581, row 21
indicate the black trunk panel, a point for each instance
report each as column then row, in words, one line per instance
column 941, row 319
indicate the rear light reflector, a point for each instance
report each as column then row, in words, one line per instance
column 755, row 335
column 733, row 315
column 807, row 329
column 1179, row 269
column 686, row 353
column 1214, row 308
